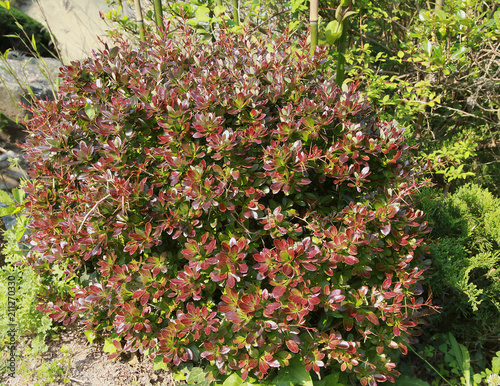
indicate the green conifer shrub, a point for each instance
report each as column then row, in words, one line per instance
column 226, row 202
column 466, row 253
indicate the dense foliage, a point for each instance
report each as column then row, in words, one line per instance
column 226, row 201
column 465, row 278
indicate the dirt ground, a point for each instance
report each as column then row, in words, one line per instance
column 87, row 365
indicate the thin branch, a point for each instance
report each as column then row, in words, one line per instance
column 465, row 113
column 258, row 26
column 91, row 210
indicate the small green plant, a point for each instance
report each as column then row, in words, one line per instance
column 490, row 376
column 28, row 320
column 449, row 161
column 43, row 372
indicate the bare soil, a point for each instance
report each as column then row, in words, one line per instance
column 88, row 365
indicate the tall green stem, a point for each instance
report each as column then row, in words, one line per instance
column 236, row 14
column 140, row 21
column 341, row 48
column 313, row 22
column 158, row 13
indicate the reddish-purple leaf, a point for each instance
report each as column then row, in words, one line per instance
column 278, row 291
column 386, row 229
column 292, row 346
column 350, row 260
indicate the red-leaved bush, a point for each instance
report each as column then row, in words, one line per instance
column 226, row 199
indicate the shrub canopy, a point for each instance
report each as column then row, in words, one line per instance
column 226, row 201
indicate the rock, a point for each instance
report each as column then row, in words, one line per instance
column 17, row 73
column 76, row 24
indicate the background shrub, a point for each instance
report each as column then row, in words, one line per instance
column 465, row 278
column 226, row 201
column 18, row 31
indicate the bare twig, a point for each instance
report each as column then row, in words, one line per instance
column 76, row 380
column 91, row 210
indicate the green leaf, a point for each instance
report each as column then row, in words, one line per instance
column 347, row 14
column 219, row 10
column 201, row 13
column 197, row 377
column 461, row 353
column 478, row 378
column 90, row 334
column 294, row 374
column 332, row 379
column 460, row 14
column 293, row 24
column 297, row 4
column 18, row 195
column 33, row 43
column 234, row 380
column 495, row 363
column 333, row 31
column 401, row 54
column 5, row 211
column 441, row 14
column 109, row 347
column 6, row 199
column 158, row 364
column 427, row 46
column 496, row 16
column 5, row 4
column 438, row 56
column 459, row 53
column 90, row 111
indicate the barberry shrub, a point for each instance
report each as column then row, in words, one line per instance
column 226, row 201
